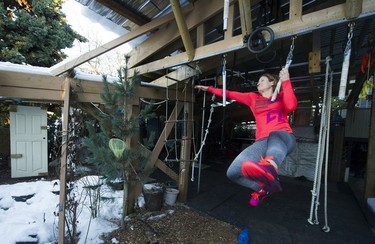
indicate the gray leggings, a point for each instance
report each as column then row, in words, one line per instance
column 278, row 144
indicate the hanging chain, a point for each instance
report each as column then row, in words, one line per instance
column 350, row 36
column 320, row 150
column 289, row 58
column 224, row 80
column 287, row 64
column 346, row 64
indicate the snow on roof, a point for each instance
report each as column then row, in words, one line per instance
column 99, row 78
column 21, row 68
column 35, row 70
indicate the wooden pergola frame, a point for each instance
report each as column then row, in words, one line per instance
column 45, row 88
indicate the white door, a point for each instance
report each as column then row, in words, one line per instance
column 28, row 142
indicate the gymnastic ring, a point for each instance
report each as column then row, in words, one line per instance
column 260, row 40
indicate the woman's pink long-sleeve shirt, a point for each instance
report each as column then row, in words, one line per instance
column 269, row 116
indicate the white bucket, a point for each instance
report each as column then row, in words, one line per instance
column 170, row 196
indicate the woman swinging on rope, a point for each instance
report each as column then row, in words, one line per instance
column 256, row 167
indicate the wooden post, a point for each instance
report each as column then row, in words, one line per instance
column 370, row 168
column 134, row 185
column 315, row 55
column 64, row 148
column 185, row 151
column 353, row 8
column 245, row 16
column 314, row 62
column 295, row 10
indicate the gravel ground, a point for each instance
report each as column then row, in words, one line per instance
column 177, row 224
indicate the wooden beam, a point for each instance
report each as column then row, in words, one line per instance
column 184, row 32
column 167, row 170
column 63, row 169
column 295, row 9
column 89, row 91
column 217, row 48
column 27, row 80
column 322, row 18
column 31, row 86
column 49, row 88
column 203, row 11
column 283, row 29
column 353, row 8
column 200, row 35
column 163, row 167
column 166, row 131
column 229, row 32
column 245, row 16
column 182, row 73
column 124, row 11
column 64, row 66
column 31, row 94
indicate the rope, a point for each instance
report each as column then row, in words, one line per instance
column 316, row 186
column 203, row 135
column 345, row 64
column 165, row 122
column 176, row 124
column 153, row 103
column 287, row 64
column 326, row 227
column 323, row 146
column 193, row 129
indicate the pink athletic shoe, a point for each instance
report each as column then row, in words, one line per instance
column 257, row 197
column 263, row 173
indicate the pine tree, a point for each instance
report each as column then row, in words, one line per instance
column 118, row 125
column 34, row 32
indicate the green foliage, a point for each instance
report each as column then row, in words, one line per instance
column 4, row 115
column 35, row 37
column 117, row 122
column 54, row 128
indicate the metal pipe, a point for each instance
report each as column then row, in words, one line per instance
column 225, row 15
